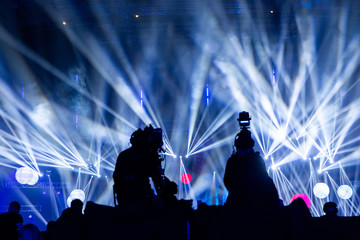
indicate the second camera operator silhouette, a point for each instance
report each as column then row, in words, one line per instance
column 245, row 176
column 136, row 165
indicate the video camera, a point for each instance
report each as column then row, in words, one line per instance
column 243, row 139
column 244, row 119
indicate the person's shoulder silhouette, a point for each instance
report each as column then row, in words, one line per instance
column 11, row 222
column 71, row 223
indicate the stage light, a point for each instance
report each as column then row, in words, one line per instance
column 137, row 16
column 303, row 197
column 345, row 192
column 321, row 190
column 186, row 178
column 64, row 23
column 76, row 194
column 34, row 179
column 26, row 175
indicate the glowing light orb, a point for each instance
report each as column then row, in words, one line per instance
column 25, row 175
column 321, row 190
column 186, row 178
column 75, row 194
column 345, row 192
column 304, row 197
column 34, row 179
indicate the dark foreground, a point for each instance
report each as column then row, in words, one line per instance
column 214, row 222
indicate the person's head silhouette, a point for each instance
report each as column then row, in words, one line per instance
column 330, row 209
column 14, row 207
column 76, row 205
column 243, row 140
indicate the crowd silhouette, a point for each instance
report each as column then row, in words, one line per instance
column 252, row 210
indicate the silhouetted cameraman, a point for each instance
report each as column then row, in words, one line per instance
column 137, row 164
column 245, row 176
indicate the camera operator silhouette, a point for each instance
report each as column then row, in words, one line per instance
column 245, row 176
column 136, row 165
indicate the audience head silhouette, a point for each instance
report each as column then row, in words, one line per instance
column 77, row 205
column 30, row 232
column 14, row 207
column 330, row 209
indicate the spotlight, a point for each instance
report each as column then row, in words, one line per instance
column 34, row 179
column 345, row 192
column 137, row 16
column 64, row 23
column 273, row 167
column 76, row 194
column 186, row 178
column 321, row 190
column 26, row 175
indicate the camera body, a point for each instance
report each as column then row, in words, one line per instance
column 244, row 119
column 243, row 139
